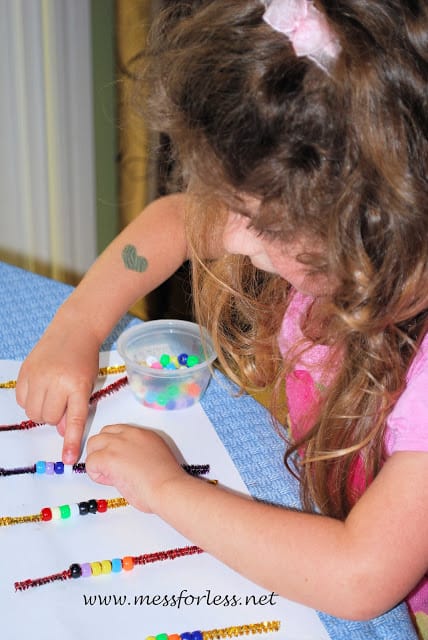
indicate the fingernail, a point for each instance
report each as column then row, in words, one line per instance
column 68, row 457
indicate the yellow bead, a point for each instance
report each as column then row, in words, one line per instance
column 96, row 568
column 105, row 566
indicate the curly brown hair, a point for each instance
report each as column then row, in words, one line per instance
column 338, row 157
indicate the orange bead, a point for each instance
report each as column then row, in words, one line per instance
column 127, row 563
column 193, row 389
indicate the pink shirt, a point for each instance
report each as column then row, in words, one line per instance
column 407, row 424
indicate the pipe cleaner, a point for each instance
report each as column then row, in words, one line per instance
column 116, row 565
column 102, row 372
column 66, row 511
column 226, row 632
column 95, row 397
column 42, row 467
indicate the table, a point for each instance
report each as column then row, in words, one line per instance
column 28, row 303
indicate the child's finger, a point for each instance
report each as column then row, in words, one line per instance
column 21, row 390
column 34, row 403
column 76, row 416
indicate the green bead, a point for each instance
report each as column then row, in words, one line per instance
column 65, row 511
column 172, row 391
column 162, row 636
column 192, row 360
column 162, row 399
column 164, row 359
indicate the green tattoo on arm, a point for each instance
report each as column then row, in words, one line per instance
column 132, row 260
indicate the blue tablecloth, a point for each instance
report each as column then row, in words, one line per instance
column 28, row 303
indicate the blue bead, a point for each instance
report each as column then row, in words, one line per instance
column 116, row 565
column 170, row 365
column 59, row 467
column 197, row 635
column 40, row 466
column 182, row 358
column 186, row 636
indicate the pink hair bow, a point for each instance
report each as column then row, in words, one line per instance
column 306, row 27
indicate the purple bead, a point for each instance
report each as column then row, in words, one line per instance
column 50, row 468
column 86, row 570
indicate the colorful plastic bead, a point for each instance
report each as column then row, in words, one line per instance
column 197, row 635
column 186, row 636
column 127, row 563
column 92, row 506
column 116, row 565
column 162, row 399
column 105, row 566
column 151, row 360
column 65, row 511
column 40, row 466
column 173, row 636
column 74, row 510
column 46, row 514
column 192, row 361
column 59, row 467
column 193, row 389
column 162, row 636
column 164, row 359
column 56, row 513
column 86, row 570
column 172, row 390
column 96, row 568
column 156, row 365
column 102, row 506
column 75, row 570
column 49, row 468
column 83, row 508
column 182, row 358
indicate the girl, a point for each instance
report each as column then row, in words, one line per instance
column 301, row 133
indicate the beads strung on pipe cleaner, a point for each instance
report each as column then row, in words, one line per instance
column 116, row 565
column 226, row 632
column 102, row 372
column 95, row 397
column 66, row 511
column 42, row 467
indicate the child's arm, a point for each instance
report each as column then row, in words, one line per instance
column 56, row 379
column 355, row 569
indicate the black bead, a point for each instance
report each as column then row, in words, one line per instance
column 75, row 570
column 83, row 508
column 92, row 506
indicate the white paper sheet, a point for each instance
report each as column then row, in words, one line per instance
column 111, row 606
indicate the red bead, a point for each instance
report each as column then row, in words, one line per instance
column 101, row 506
column 46, row 514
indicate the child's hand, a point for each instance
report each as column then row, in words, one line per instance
column 55, row 383
column 136, row 461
